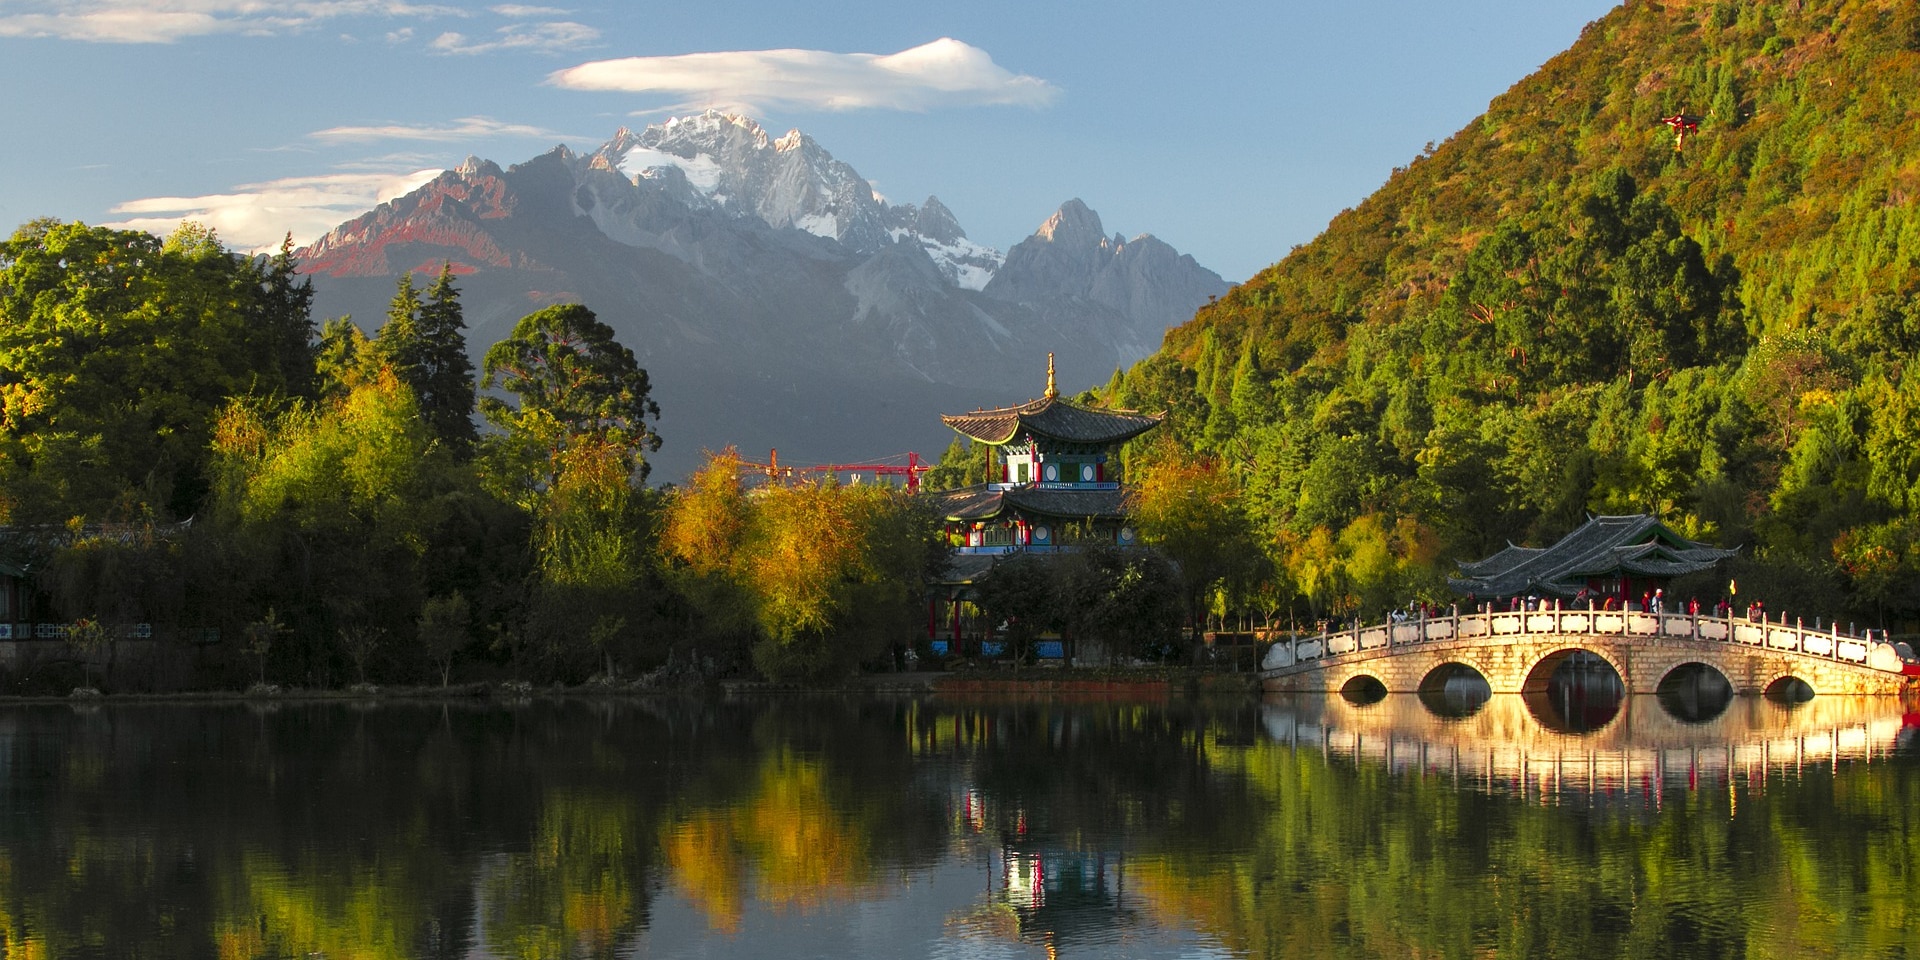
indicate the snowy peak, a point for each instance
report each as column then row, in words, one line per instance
column 935, row 222
column 727, row 160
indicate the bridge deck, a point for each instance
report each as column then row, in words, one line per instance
column 1719, row 641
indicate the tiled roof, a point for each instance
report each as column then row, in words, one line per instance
column 966, row 568
column 1639, row 546
column 1055, row 418
column 982, row 503
column 966, row 503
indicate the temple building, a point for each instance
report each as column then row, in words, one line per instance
column 1618, row 559
column 1058, row 483
column 1057, row 471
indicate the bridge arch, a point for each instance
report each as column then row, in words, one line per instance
column 1540, row 674
column 1574, row 690
column 1454, row 689
column 1694, row 691
column 1363, row 688
column 1789, row 688
column 1686, row 669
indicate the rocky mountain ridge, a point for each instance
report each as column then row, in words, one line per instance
column 775, row 299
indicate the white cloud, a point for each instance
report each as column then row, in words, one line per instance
column 522, row 10
column 541, row 37
column 401, row 35
column 465, row 128
column 943, row 73
column 143, row 21
column 255, row 216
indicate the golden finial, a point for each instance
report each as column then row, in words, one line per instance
column 1052, row 391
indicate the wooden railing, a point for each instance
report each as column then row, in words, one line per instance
column 1829, row 643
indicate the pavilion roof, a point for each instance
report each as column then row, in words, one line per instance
column 1055, row 418
column 1639, row 546
column 982, row 502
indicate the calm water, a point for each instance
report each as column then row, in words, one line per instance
column 1450, row 827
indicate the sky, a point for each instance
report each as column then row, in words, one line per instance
column 1232, row 130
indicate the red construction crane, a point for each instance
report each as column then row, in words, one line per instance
column 912, row 469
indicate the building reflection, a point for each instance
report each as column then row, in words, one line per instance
column 1641, row 747
column 1049, row 891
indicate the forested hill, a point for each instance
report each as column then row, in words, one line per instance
column 1557, row 312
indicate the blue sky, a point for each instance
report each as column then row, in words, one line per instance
column 1231, row 130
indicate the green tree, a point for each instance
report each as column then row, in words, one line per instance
column 284, row 314
column 333, row 507
column 592, row 556
column 426, row 344
column 444, row 627
column 1188, row 507
column 1125, row 600
column 571, row 383
column 117, row 353
column 1021, row 591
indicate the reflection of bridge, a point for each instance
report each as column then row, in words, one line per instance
column 1504, row 748
column 1518, row 652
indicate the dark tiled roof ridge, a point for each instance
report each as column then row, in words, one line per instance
column 980, row 502
column 1602, row 545
column 1053, row 417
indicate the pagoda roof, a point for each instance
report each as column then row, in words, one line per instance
column 1055, row 418
column 1638, row 546
column 984, row 502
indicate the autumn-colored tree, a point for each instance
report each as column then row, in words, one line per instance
column 1188, row 507
column 835, row 574
column 702, row 533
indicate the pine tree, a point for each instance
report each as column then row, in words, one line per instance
column 426, row 345
column 446, row 384
column 285, row 315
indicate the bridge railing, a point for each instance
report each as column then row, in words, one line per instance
column 1825, row 643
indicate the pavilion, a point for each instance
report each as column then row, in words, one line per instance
column 1618, row 557
column 1058, row 485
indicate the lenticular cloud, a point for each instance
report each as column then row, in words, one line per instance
column 943, row 73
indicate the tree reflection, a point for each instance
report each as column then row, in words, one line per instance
column 547, row 830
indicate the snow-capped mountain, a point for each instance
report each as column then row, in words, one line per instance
column 774, row 298
column 726, row 161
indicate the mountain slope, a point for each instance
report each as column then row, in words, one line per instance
column 1556, row 312
column 774, row 299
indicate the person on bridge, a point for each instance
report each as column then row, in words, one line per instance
column 1659, row 602
column 1693, row 606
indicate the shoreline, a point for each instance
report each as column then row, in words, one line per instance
column 1090, row 684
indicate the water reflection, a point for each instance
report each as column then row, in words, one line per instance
column 1455, row 691
column 1298, row 827
column 1581, row 692
column 1694, row 693
column 1790, row 690
column 1506, row 746
column 1363, row 690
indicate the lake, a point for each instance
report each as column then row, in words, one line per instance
column 828, row 827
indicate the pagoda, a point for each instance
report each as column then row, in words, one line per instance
column 1058, row 485
column 1056, row 467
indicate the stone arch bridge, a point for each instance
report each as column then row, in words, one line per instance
column 1518, row 652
